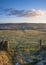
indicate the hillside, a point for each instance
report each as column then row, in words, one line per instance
column 4, row 58
column 23, row 26
column 22, row 37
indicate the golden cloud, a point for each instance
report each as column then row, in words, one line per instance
column 34, row 13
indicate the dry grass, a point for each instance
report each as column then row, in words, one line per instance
column 4, row 59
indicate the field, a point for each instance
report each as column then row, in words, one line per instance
column 23, row 42
column 23, row 37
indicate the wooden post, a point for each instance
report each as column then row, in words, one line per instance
column 7, row 45
column 40, row 43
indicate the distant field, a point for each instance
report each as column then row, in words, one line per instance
column 25, row 38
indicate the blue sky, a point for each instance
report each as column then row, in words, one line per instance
column 22, row 11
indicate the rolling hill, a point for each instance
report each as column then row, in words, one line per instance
column 23, row 26
column 21, row 36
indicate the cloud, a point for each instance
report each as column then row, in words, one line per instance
column 22, row 13
column 34, row 13
column 11, row 11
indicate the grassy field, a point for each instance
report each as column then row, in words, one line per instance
column 23, row 38
column 23, row 42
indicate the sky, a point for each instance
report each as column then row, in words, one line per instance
column 22, row 11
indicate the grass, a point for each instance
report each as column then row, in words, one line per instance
column 5, row 58
column 26, row 37
column 23, row 40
